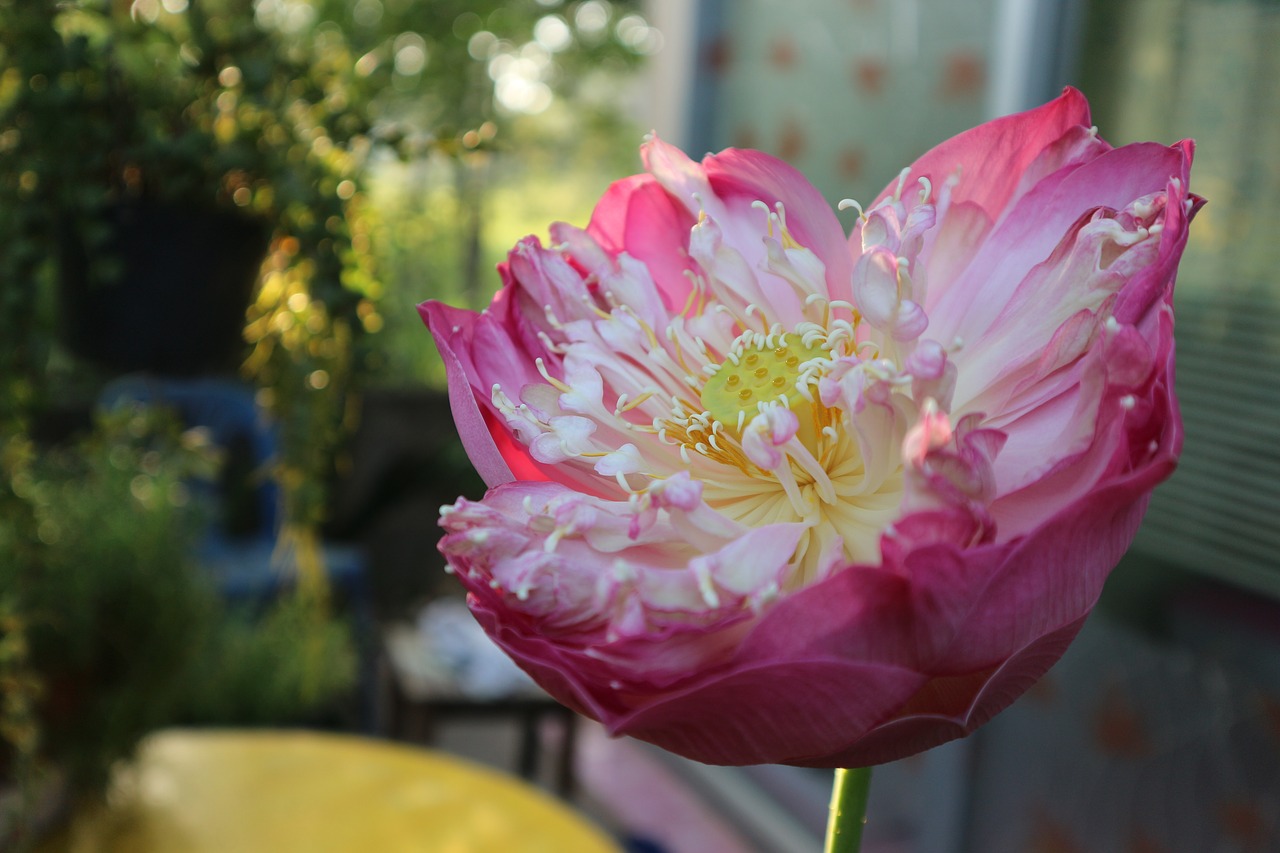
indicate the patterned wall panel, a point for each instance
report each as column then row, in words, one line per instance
column 848, row 91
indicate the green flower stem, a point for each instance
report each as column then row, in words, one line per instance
column 848, row 810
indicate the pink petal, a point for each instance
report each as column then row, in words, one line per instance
column 747, row 176
column 948, row 708
column 467, row 415
column 637, row 216
column 992, row 157
column 1033, row 229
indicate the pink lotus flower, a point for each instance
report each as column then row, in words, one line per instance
column 763, row 493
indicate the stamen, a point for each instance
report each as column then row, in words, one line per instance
column 591, row 303
column 501, row 400
column 653, row 339
column 555, row 383
column 788, row 482
column 631, row 404
column 802, row 457
column 693, row 295
column 902, row 180
column 551, row 345
column 708, row 592
column 846, row 203
column 926, row 189
column 768, row 215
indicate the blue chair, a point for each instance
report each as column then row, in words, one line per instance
column 238, row 548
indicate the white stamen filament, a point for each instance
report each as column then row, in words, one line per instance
column 551, row 380
column 846, row 203
column 902, row 181
column 926, row 189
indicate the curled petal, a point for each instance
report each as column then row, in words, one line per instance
column 910, row 321
column 933, row 375
column 639, row 217
column 768, row 431
column 875, row 287
column 878, row 293
column 539, row 549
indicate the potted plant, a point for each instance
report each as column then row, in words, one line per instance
column 111, row 629
column 128, row 188
column 149, row 147
column 120, row 122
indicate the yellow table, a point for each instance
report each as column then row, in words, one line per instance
column 200, row 791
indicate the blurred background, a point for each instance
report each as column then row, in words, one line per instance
column 224, row 437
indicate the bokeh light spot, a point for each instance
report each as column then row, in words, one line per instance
column 367, row 13
column 552, row 33
column 482, row 45
column 592, row 17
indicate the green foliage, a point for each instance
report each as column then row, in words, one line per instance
column 274, row 109
column 478, row 173
column 436, row 66
column 94, row 567
column 106, row 103
column 270, row 669
column 421, row 246
column 110, row 629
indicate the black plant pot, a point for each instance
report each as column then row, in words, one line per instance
column 177, row 305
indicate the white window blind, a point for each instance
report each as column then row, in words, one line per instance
column 1210, row 69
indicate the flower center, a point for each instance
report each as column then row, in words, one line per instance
column 764, row 370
